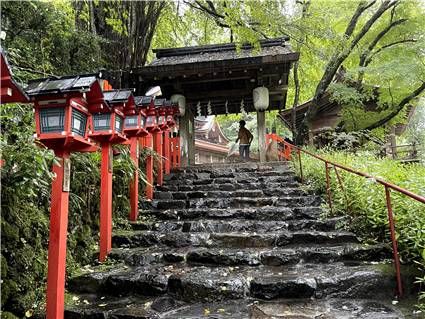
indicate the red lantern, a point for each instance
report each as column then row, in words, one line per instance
column 107, row 123
column 62, row 110
column 11, row 92
column 62, row 117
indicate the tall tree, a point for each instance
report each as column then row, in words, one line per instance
column 126, row 28
column 379, row 33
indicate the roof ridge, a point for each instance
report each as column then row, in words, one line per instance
column 167, row 52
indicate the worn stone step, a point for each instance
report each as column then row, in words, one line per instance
column 241, row 179
column 257, row 213
column 234, row 167
column 226, row 194
column 227, row 174
column 178, row 239
column 183, row 187
column 207, row 284
column 252, row 256
column 136, row 307
column 290, row 309
column 238, row 225
column 232, row 202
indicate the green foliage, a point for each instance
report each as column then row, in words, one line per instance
column 363, row 200
column 25, row 192
column 43, row 36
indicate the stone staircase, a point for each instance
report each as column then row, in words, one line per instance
column 236, row 241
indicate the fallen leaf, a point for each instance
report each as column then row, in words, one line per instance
column 103, row 305
column 206, row 312
column 29, row 313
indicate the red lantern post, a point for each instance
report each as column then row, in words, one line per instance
column 134, row 128
column 171, row 110
column 62, row 117
column 107, row 123
column 158, row 138
column 148, row 105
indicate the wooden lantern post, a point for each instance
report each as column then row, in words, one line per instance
column 134, row 128
column 148, row 104
column 158, row 139
column 106, row 125
column 164, row 147
column 172, row 110
column 62, row 117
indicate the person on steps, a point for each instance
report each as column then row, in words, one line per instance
column 245, row 137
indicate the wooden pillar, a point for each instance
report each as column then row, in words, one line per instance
column 105, row 201
column 157, row 147
column 149, row 168
column 310, row 138
column 166, row 151
column 393, row 142
column 261, row 131
column 57, row 237
column 187, row 139
column 134, row 183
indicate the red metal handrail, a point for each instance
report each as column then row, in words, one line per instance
column 289, row 148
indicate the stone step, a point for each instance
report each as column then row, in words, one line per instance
column 165, row 307
column 239, row 179
column 233, row 167
column 207, row 284
column 176, row 239
column 226, row 194
column 232, row 202
column 238, row 225
column 272, row 186
column 252, row 256
column 185, row 176
column 257, row 213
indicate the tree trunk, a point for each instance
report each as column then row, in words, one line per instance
column 294, row 105
column 339, row 57
column 398, row 109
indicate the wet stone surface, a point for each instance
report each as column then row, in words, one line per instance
column 237, row 241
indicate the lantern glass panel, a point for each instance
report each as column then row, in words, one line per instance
column 131, row 121
column 52, row 120
column 143, row 122
column 151, row 120
column 102, row 122
column 118, row 123
column 78, row 122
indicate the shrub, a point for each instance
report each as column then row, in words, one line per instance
column 363, row 200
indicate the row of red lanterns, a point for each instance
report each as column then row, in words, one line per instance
column 77, row 114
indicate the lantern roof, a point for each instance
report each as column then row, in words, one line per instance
column 143, row 100
column 159, row 102
column 118, row 96
column 11, row 92
column 64, row 84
